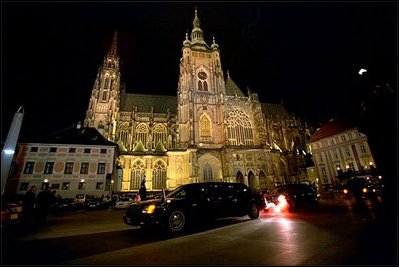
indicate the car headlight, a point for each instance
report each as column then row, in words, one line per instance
column 149, row 209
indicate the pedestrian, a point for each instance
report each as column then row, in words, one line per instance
column 29, row 206
column 143, row 190
column 44, row 201
column 114, row 198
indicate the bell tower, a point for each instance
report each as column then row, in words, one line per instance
column 105, row 97
column 201, row 92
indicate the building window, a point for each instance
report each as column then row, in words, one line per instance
column 321, row 158
column 87, row 150
column 53, row 149
column 68, row 168
column 335, row 154
column 138, row 170
column 159, row 175
column 23, row 186
column 142, row 133
column 239, row 128
column 84, row 168
column 343, row 138
column 72, row 150
column 65, row 186
column 34, row 149
column 207, row 173
column 82, row 186
column 347, row 152
column 363, row 148
column 324, row 174
column 103, row 150
column 55, row 186
column 205, row 126
column 48, row 169
column 101, row 168
column 100, row 186
column 160, row 134
column 29, row 167
column 351, row 166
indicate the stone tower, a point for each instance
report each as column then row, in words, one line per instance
column 105, row 97
column 201, row 93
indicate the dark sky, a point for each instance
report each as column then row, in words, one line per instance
column 306, row 54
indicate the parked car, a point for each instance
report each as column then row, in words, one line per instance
column 65, row 204
column 96, row 203
column 194, row 202
column 292, row 196
column 11, row 213
column 123, row 203
column 358, row 187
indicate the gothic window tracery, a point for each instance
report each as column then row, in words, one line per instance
column 159, row 175
column 205, row 126
column 142, row 134
column 207, row 173
column 160, row 134
column 239, row 128
column 123, row 134
column 137, row 175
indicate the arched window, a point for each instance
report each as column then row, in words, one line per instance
column 205, row 126
column 159, row 175
column 239, row 128
column 104, row 96
column 123, row 134
column 138, row 174
column 205, row 85
column 160, row 134
column 106, row 84
column 200, row 85
column 141, row 134
column 207, row 173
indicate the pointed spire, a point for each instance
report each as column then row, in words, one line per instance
column 228, row 74
column 197, row 36
column 214, row 45
column 113, row 50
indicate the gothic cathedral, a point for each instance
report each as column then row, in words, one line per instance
column 211, row 130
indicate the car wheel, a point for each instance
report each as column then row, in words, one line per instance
column 253, row 212
column 176, row 221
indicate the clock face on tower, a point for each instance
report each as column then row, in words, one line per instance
column 202, row 75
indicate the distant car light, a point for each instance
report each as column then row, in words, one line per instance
column 345, row 191
column 364, row 190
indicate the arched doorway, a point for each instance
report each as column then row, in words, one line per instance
column 251, row 181
column 240, row 178
column 262, row 181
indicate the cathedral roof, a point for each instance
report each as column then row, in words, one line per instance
column 77, row 136
column 160, row 103
column 275, row 110
column 231, row 88
column 332, row 127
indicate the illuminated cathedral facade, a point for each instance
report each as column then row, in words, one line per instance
column 209, row 131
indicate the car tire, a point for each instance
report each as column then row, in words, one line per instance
column 175, row 221
column 253, row 212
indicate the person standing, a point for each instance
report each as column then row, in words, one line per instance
column 29, row 205
column 44, row 201
column 142, row 190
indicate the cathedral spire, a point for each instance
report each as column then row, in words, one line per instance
column 113, row 52
column 197, row 35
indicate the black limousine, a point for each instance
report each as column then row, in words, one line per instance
column 194, row 202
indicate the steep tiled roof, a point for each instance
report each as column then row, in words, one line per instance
column 274, row 110
column 160, row 103
column 73, row 135
column 334, row 126
column 232, row 89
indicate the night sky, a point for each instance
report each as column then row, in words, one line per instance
column 305, row 54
